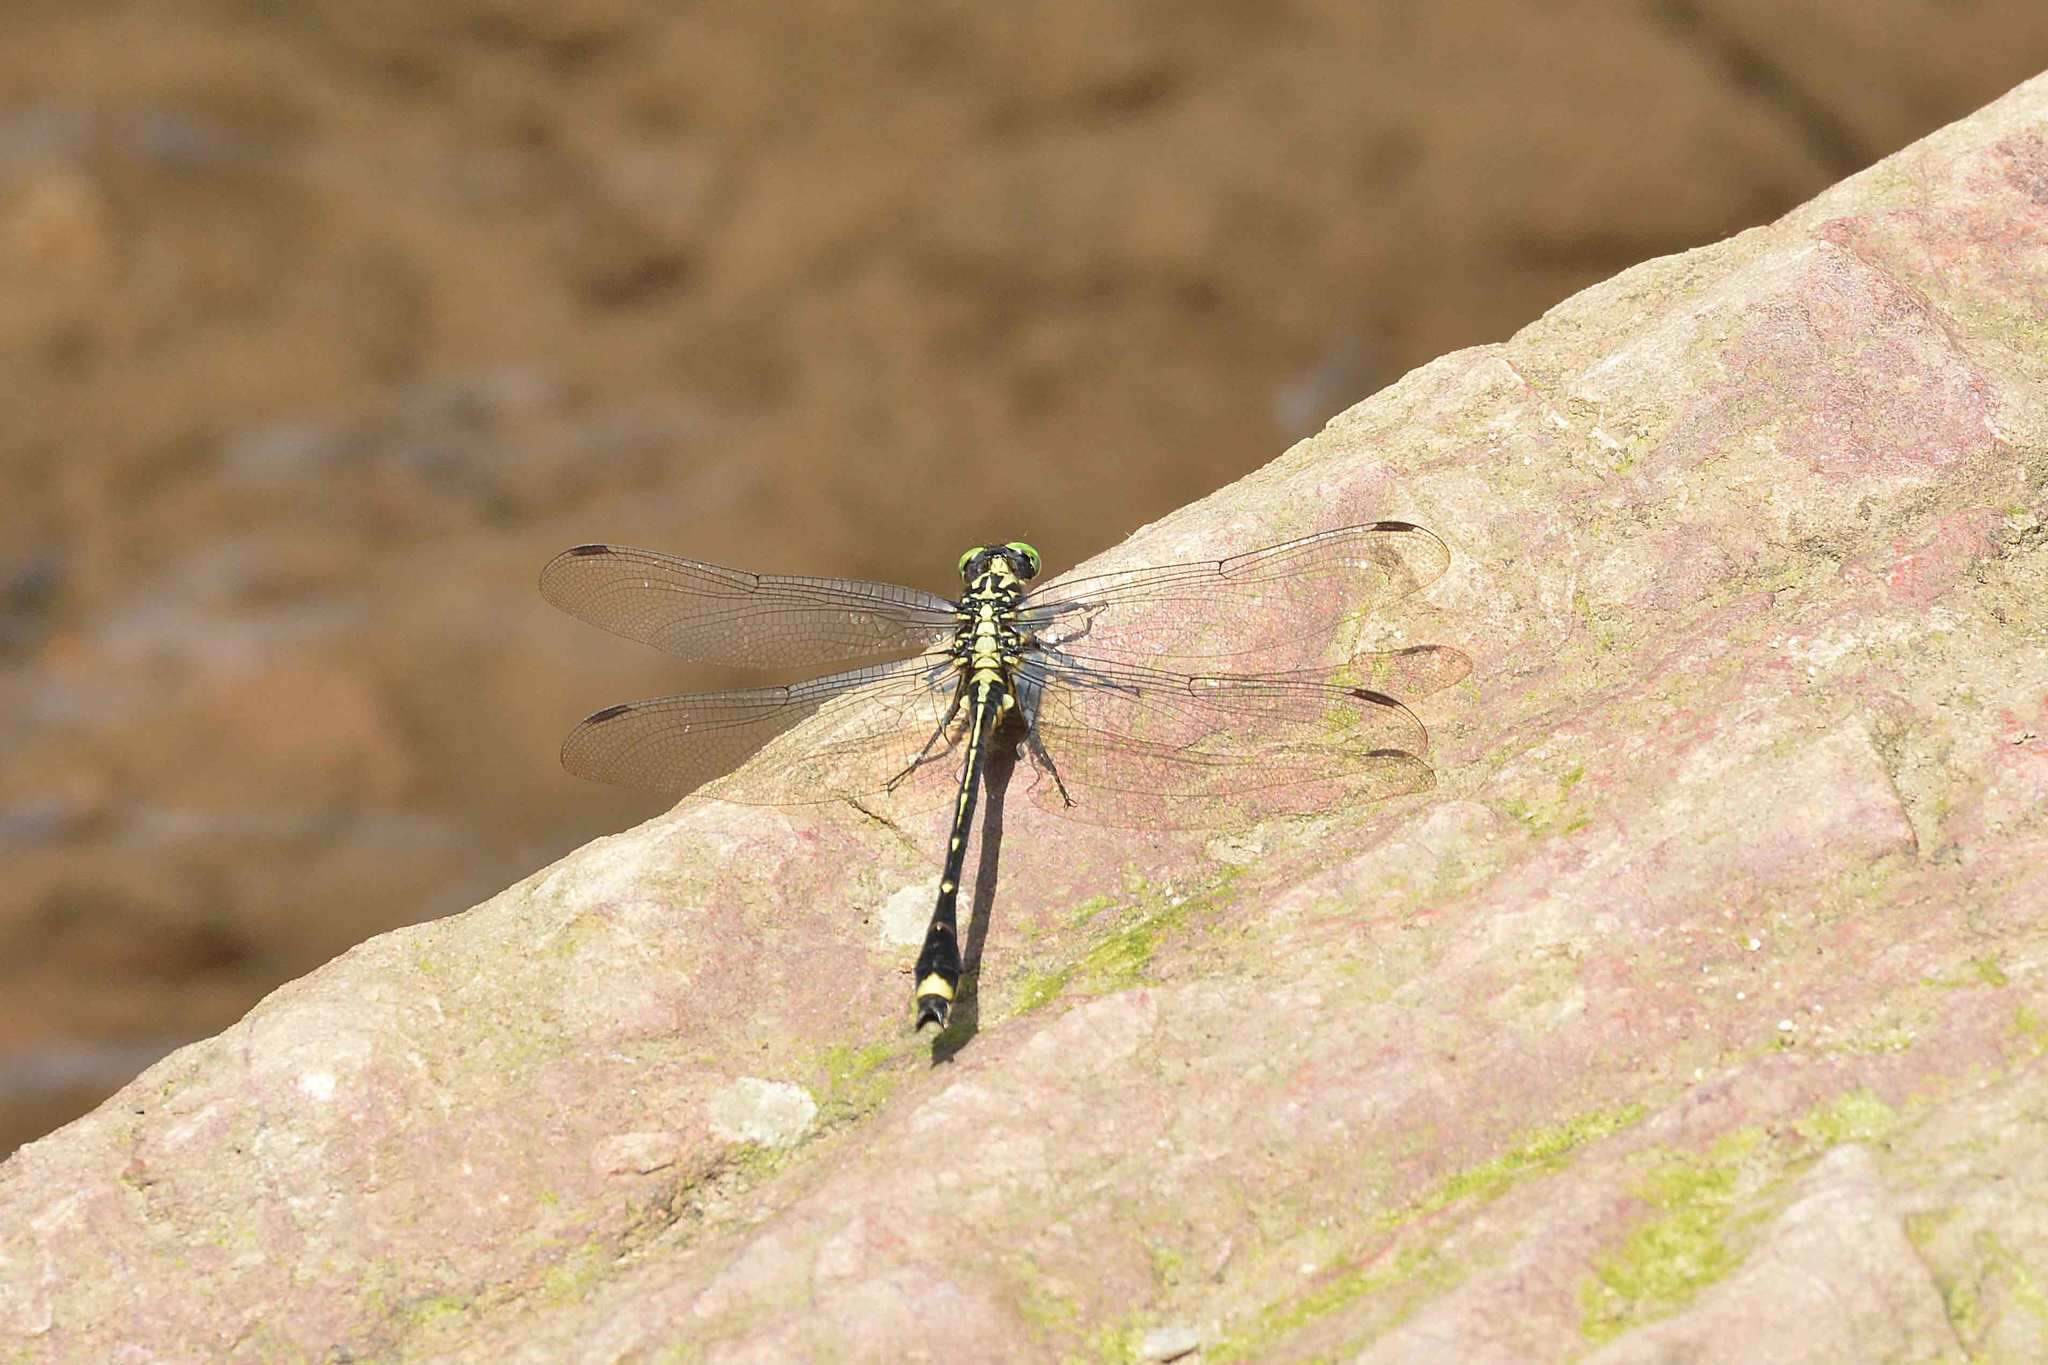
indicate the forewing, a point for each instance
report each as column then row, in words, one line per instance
column 715, row 615
column 1284, row 603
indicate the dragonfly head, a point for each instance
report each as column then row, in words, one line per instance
column 1021, row 559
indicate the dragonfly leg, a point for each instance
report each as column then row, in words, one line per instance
column 1036, row 746
column 1082, row 619
column 925, row 755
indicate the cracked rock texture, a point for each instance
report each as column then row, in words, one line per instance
column 1699, row 1014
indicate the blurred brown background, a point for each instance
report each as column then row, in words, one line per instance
column 325, row 324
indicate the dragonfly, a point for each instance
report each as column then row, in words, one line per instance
column 1126, row 693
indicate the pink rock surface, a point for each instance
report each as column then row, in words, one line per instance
column 1699, row 1014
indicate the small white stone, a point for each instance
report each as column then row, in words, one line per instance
column 1169, row 1343
column 318, row 1084
column 772, row 1113
column 1784, row 1026
column 906, row 915
column 1755, row 943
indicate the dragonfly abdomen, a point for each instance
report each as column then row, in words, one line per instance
column 991, row 663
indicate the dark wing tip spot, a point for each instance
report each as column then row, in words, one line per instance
column 592, row 549
column 609, row 713
column 1395, row 526
column 1378, row 698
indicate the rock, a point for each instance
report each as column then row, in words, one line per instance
column 1747, row 556
column 1837, row 1262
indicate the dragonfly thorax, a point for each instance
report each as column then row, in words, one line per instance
column 986, row 641
column 985, row 645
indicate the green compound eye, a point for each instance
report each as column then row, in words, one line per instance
column 1030, row 557
column 966, row 555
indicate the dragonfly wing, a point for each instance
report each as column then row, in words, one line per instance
column 1140, row 746
column 715, row 615
column 1286, row 601
column 867, row 724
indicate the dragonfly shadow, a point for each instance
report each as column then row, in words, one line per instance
column 997, row 769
